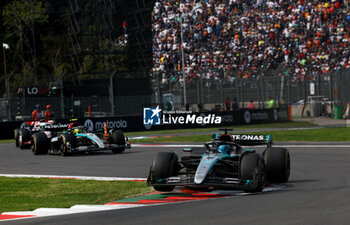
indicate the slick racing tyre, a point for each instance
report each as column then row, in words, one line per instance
column 67, row 143
column 164, row 165
column 117, row 137
column 16, row 134
column 39, row 144
column 277, row 165
column 253, row 169
column 23, row 136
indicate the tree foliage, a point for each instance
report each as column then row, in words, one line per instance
column 20, row 14
column 20, row 18
column 48, row 38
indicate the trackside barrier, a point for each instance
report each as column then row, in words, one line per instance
column 135, row 123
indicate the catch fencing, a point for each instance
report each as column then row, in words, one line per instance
column 285, row 90
column 201, row 95
column 73, row 107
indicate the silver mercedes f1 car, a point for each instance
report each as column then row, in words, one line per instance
column 223, row 164
column 77, row 139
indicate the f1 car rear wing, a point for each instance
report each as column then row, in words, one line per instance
column 252, row 139
column 55, row 127
column 33, row 123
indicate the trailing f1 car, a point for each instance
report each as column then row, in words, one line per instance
column 78, row 139
column 23, row 135
column 224, row 164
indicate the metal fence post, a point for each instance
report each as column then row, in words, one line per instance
column 236, row 87
column 290, row 90
column 61, row 95
column 8, row 96
column 319, row 85
column 341, row 81
column 259, row 92
column 263, row 92
column 347, row 85
column 158, row 90
column 111, row 92
column 198, row 91
column 275, row 97
column 331, row 89
column 242, row 99
column 222, row 93
column 201, row 90
column 302, row 113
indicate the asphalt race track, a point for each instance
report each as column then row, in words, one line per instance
column 318, row 191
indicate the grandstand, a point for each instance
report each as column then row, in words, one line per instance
column 248, row 39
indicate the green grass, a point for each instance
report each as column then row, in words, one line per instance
column 243, row 127
column 22, row 194
column 323, row 134
column 7, row 141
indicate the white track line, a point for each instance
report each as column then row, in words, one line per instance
column 74, row 177
column 72, row 210
column 165, row 145
column 279, row 146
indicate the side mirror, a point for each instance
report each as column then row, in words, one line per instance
column 187, row 149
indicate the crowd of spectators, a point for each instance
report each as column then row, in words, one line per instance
column 249, row 38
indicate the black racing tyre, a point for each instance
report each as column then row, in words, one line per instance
column 23, row 136
column 253, row 168
column 39, row 144
column 67, row 138
column 163, row 166
column 277, row 165
column 117, row 137
column 16, row 133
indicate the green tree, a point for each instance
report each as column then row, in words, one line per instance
column 20, row 18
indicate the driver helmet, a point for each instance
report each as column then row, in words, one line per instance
column 224, row 149
column 77, row 130
column 48, row 106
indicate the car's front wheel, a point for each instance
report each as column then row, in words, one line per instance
column 39, row 144
column 163, row 166
column 16, row 134
column 67, row 142
column 117, row 137
column 23, row 136
column 253, row 171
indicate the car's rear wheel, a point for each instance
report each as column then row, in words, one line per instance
column 277, row 162
column 163, row 166
column 253, row 169
column 23, row 136
column 117, row 137
column 67, row 143
column 16, row 133
column 39, row 144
